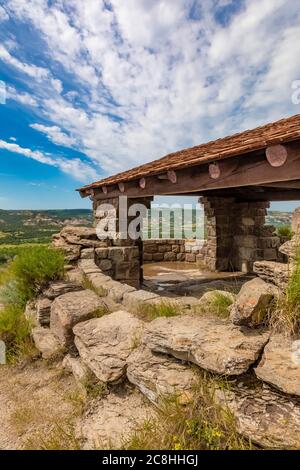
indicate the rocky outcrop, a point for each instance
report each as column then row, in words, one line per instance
column 273, row 272
column 213, row 344
column 70, row 309
column 252, row 302
column 158, row 375
column 280, row 364
column 263, row 416
column 46, row 342
column 104, row 344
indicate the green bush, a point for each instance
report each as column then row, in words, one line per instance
column 15, row 332
column 33, row 269
column 285, row 231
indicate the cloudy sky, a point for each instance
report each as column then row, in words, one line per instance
column 98, row 86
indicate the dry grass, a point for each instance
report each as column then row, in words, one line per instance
column 45, row 417
column 150, row 311
column 284, row 316
column 200, row 425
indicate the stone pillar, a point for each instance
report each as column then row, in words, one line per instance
column 123, row 255
column 236, row 234
column 218, row 231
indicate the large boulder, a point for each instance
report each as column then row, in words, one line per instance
column 267, row 418
column 158, row 375
column 280, row 364
column 46, row 342
column 213, row 344
column 70, row 309
column 273, row 272
column 104, row 344
column 252, row 302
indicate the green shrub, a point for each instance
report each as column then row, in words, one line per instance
column 15, row 332
column 285, row 231
column 34, row 268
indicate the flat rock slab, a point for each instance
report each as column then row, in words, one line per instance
column 104, row 344
column 46, row 342
column 58, row 288
column 114, row 419
column 213, row 344
column 280, row 364
column 158, row 375
column 138, row 297
column 70, row 309
column 267, row 418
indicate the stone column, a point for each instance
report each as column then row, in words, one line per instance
column 236, row 234
column 218, row 231
column 124, row 254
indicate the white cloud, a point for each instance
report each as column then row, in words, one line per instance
column 73, row 167
column 144, row 79
column 21, row 97
column 29, row 69
column 54, row 134
column 3, row 14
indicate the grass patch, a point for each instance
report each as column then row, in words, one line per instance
column 15, row 332
column 201, row 425
column 216, row 303
column 61, row 436
column 285, row 314
column 149, row 312
column 285, row 231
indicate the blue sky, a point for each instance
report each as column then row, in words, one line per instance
column 95, row 87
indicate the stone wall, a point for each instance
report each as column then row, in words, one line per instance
column 188, row 251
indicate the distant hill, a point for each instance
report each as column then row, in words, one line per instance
column 17, row 227
column 278, row 218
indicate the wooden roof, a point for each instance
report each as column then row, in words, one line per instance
column 284, row 130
